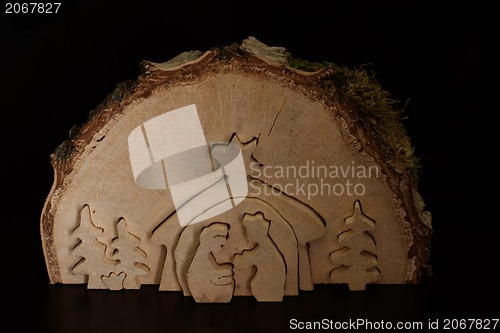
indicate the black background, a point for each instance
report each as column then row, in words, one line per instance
column 55, row 68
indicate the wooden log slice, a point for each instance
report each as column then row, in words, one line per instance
column 315, row 151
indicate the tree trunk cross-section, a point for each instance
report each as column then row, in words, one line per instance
column 238, row 171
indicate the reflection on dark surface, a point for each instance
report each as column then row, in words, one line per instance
column 73, row 308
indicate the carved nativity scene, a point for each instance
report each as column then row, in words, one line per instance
column 239, row 171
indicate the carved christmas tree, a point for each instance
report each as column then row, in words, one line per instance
column 94, row 262
column 356, row 261
column 217, row 137
column 129, row 256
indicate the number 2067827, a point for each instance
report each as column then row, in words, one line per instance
column 32, row 7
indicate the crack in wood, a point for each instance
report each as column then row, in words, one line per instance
column 276, row 117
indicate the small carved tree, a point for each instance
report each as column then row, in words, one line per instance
column 129, row 256
column 94, row 262
column 356, row 262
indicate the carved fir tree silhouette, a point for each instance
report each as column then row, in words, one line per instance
column 355, row 262
column 94, row 262
column 129, row 256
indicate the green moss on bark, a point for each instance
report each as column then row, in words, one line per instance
column 379, row 114
column 374, row 110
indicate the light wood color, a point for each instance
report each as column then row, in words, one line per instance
column 324, row 204
column 208, row 280
column 355, row 263
column 267, row 283
column 130, row 257
column 93, row 262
